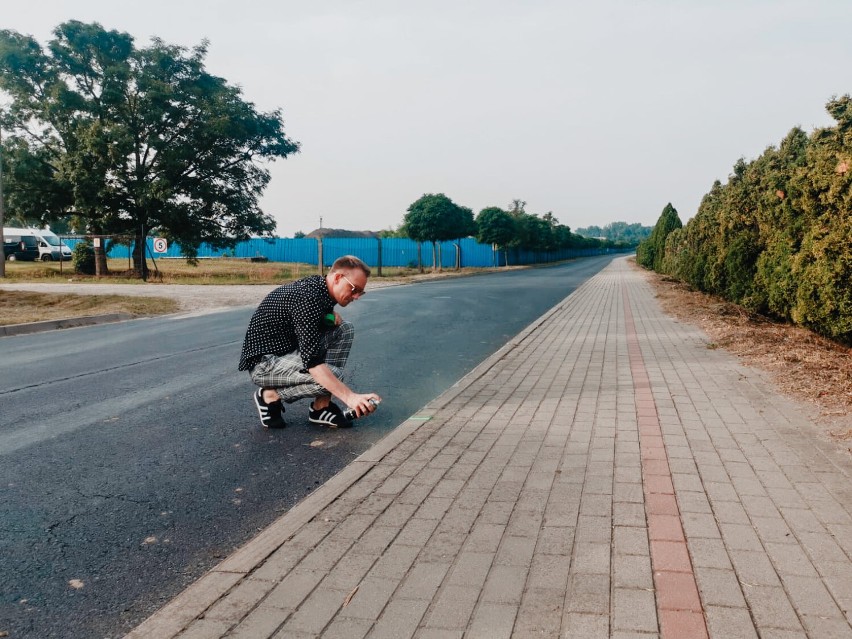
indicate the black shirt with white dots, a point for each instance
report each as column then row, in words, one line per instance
column 289, row 318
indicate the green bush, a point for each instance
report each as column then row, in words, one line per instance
column 775, row 285
column 650, row 252
column 824, row 273
column 777, row 237
column 740, row 265
column 83, row 258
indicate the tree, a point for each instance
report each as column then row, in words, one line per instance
column 591, row 231
column 495, row 226
column 524, row 233
column 622, row 232
column 391, row 232
column 29, row 185
column 650, row 252
column 436, row 218
column 135, row 139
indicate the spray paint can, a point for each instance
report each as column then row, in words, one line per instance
column 350, row 414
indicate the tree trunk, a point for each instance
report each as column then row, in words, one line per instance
column 140, row 264
column 101, row 268
column 99, row 249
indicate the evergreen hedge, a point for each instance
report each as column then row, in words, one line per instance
column 777, row 237
column 651, row 251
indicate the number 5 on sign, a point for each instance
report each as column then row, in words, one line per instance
column 160, row 245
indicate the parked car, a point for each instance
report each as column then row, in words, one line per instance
column 48, row 244
column 19, row 247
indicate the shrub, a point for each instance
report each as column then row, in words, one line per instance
column 823, row 271
column 83, row 258
column 650, row 252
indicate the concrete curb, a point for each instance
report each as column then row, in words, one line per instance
column 72, row 322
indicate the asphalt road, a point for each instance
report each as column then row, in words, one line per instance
column 132, row 460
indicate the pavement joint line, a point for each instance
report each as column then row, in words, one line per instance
column 676, row 589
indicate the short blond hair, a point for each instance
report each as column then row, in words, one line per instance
column 348, row 262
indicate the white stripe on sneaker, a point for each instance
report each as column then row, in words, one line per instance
column 330, row 416
column 270, row 415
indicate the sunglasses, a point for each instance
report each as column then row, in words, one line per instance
column 360, row 292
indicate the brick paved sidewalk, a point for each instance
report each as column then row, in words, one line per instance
column 605, row 474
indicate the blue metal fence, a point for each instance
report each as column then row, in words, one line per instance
column 391, row 252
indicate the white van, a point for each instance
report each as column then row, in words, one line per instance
column 50, row 247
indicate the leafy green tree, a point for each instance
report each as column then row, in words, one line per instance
column 564, row 238
column 136, row 139
column 549, row 240
column 591, row 231
column 436, row 218
column 543, row 233
column 622, row 232
column 393, row 232
column 531, row 231
column 527, row 226
column 495, row 226
column 30, row 189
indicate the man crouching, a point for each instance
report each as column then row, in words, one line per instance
column 296, row 346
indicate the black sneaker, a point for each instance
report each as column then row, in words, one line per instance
column 330, row 416
column 271, row 414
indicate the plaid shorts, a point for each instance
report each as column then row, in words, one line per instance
column 287, row 374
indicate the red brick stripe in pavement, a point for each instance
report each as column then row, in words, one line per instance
column 678, row 603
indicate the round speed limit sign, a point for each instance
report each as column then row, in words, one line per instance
column 160, row 245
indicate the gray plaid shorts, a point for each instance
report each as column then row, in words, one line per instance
column 287, row 374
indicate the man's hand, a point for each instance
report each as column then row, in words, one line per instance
column 360, row 403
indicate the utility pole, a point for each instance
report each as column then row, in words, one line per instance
column 2, row 212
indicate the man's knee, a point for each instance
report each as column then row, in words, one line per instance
column 341, row 336
column 346, row 330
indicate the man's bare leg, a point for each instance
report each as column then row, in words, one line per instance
column 322, row 402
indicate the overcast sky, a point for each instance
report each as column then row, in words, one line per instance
column 598, row 111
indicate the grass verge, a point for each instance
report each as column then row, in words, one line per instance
column 21, row 307
column 208, row 271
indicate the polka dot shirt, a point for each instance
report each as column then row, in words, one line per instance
column 289, row 318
